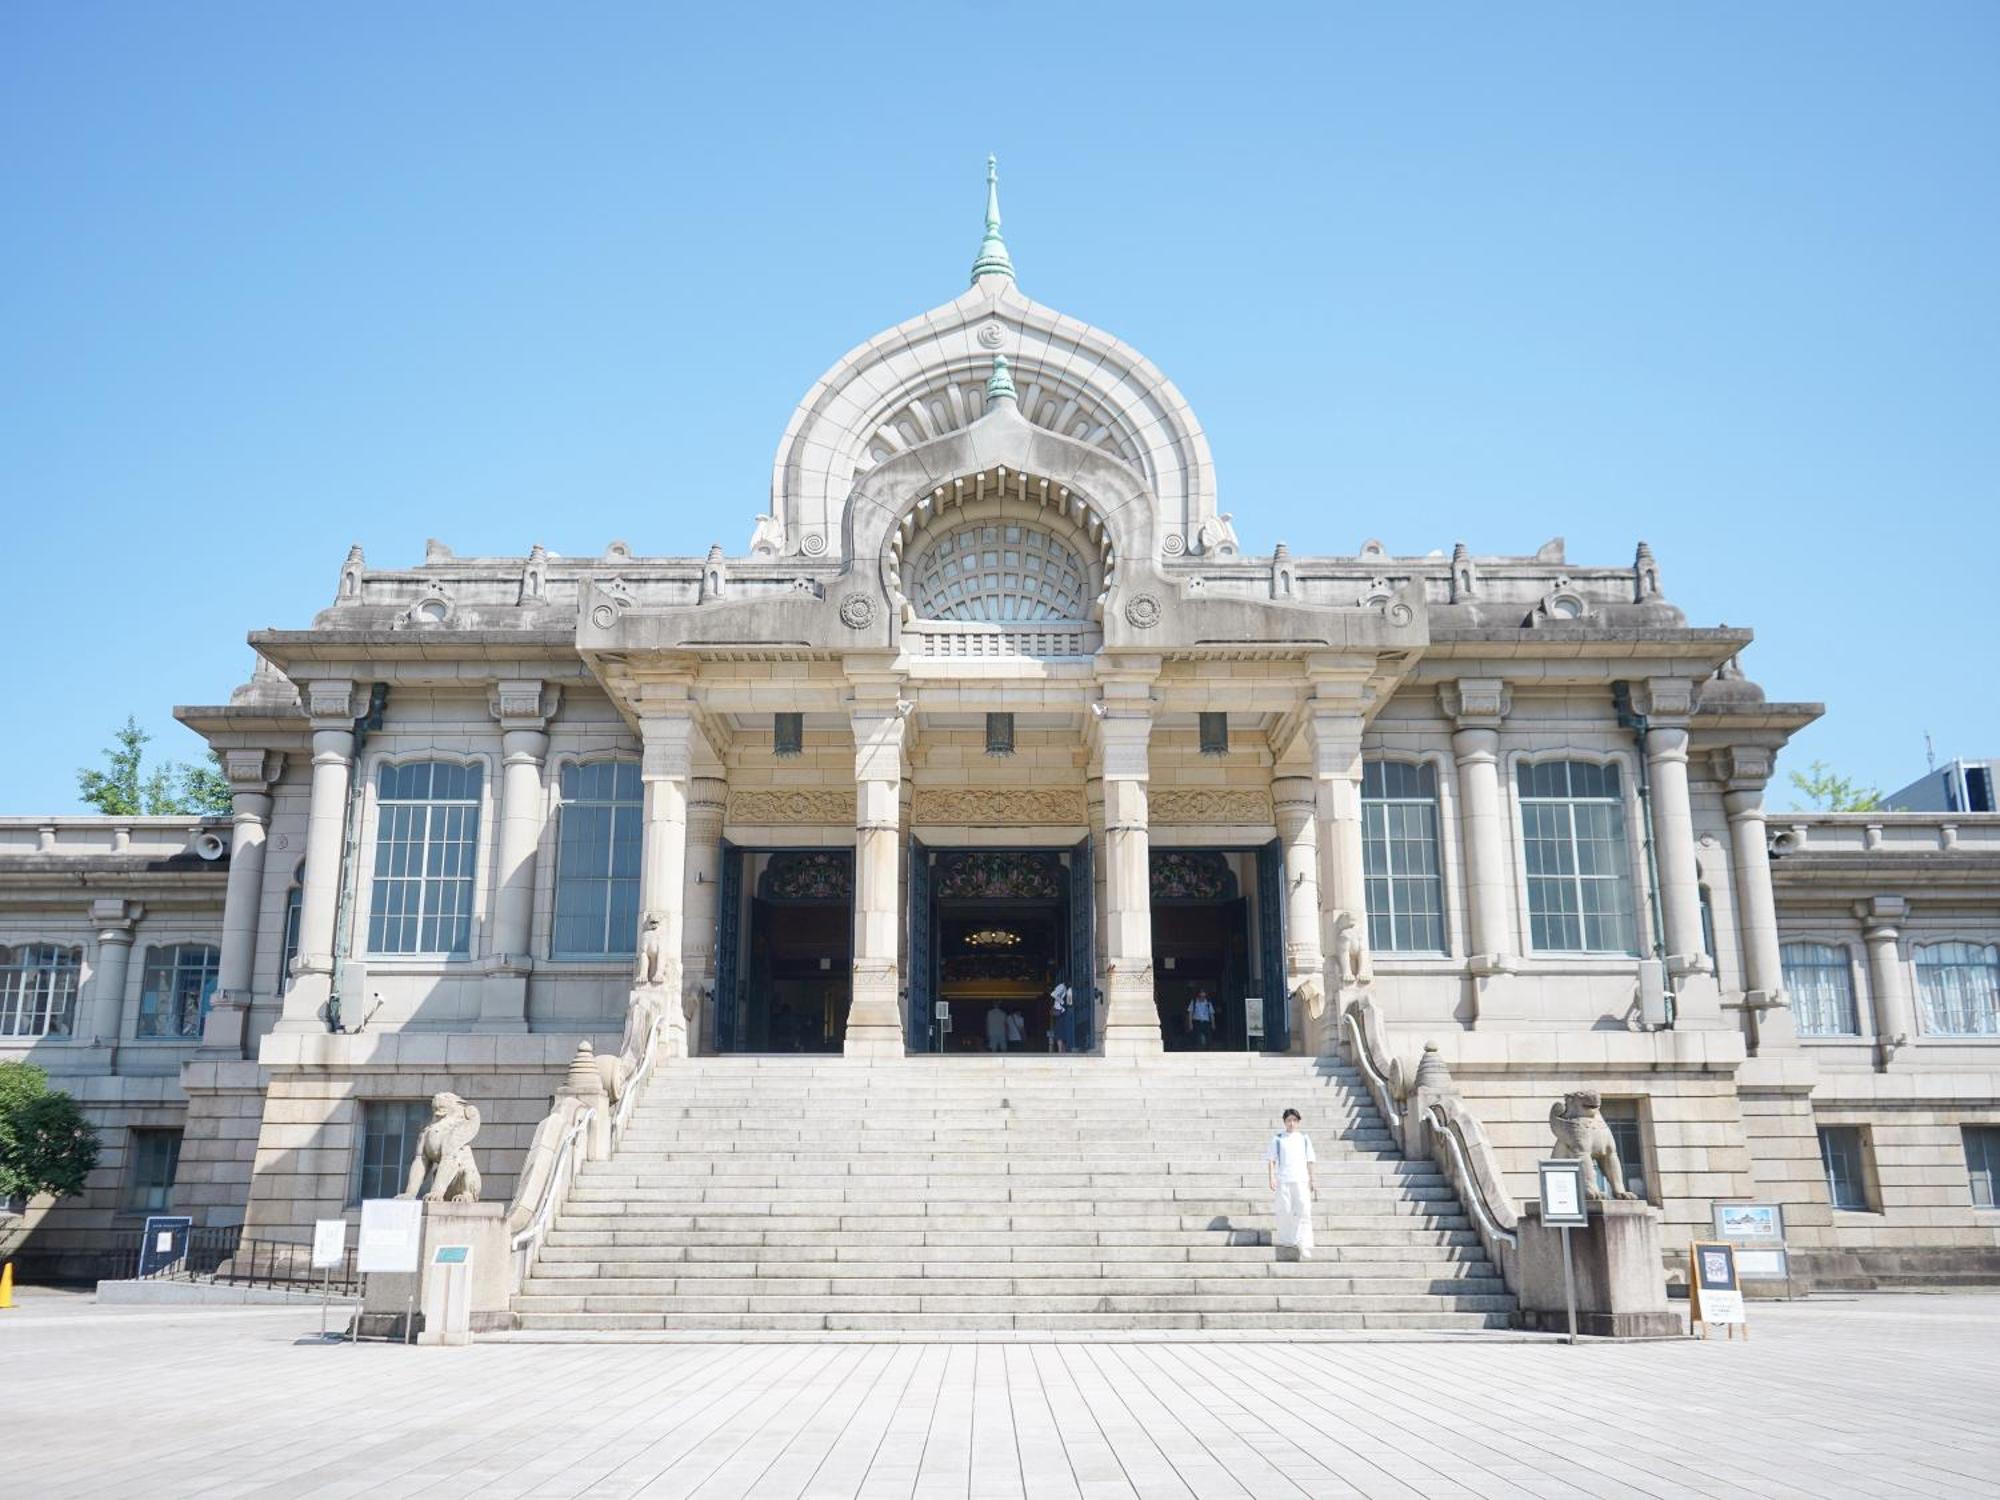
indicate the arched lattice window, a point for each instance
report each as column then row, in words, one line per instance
column 1000, row 570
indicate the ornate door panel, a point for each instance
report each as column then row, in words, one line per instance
column 1083, row 944
column 1271, row 946
column 922, row 953
column 729, row 950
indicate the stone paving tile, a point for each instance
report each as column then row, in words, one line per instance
column 1889, row 1396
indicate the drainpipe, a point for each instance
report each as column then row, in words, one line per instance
column 343, row 901
column 1629, row 718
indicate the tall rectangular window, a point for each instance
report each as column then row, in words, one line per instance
column 295, row 901
column 1579, row 878
column 598, row 837
column 1820, row 980
column 1399, row 848
column 154, row 1157
column 426, row 848
column 389, row 1131
column 1841, row 1153
column 1982, row 1162
column 1621, row 1117
column 1958, row 988
column 38, row 989
column 178, row 985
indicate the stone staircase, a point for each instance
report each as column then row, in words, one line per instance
column 1025, row 1192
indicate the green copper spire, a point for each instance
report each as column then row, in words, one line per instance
column 1000, row 384
column 993, row 259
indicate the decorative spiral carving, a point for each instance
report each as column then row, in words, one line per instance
column 1142, row 611
column 604, row 617
column 991, row 336
column 1399, row 612
column 814, row 544
column 1174, row 545
column 857, row 611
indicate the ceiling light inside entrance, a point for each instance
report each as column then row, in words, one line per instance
column 992, row 937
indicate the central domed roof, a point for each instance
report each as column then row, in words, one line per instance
column 927, row 377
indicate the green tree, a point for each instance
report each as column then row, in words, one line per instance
column 129, row 790
column 46, row 1145
column 1828, row 792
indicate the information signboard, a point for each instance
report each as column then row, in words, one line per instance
column 1563, row 1202
column 1757, row 1230
column 392, row 1235
column 329, row 1243
column 164, row 1243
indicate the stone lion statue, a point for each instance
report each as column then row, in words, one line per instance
column 445, row 1150
column 652, row 968
column 1350, row 953
column 1581, row 1134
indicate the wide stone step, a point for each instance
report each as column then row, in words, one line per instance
column 841, row 1251
column 1191, row 1199
column 841, row 1322
column 691, row 1289
column 988, row 1223
column 1300, row 1306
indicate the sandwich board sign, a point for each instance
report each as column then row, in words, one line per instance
column 1714, row 1293
column 329, row 1243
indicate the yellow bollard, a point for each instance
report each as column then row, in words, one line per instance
column 7, row 1285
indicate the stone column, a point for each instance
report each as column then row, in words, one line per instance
column 1305, row 961
column 667, row 736
column 706, row 798
column 523, row 709
column 1882, row 919
column 1124, row 735
column 1477, row 707
column 1335, row 741
column 250, row 774
column 875, row 1015
column 114, row 921
column 333, row 706
column 1093, row 800
column 1743, row 773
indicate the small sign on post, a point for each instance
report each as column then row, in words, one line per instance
column 1253, row 1018
column 329, row 1250
column 1564, row 1207
column 392, row 1243
column 1714, row 1293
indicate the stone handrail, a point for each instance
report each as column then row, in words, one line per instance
column 1460, row 1146
column 1382, row 1072
column 1427, row 1117
column 560, row 1140
column 583, row 1124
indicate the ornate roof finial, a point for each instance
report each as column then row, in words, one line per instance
column 1000, row 384
column 993, row 259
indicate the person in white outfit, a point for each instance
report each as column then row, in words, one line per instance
column 1290, row 1160
column 996, row 1028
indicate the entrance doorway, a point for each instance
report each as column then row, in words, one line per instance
column 1218, row 936
column 992, row 931
column 784, row 953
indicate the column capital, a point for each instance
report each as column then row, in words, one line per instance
column 523, row 703
column 1292, row 796
column 707, row 795
column 1882, row 916
column 252, row 770
column 1333, row 739
column 114, row 919
column 333, row 702
column 667, row 746
column 1121, row 741
column 879, row 732
column 1741, row 768
column 1476, row 702
column 1667, row 702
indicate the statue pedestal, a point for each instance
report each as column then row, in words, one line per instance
column 1621, row 1284
column 482, row 1229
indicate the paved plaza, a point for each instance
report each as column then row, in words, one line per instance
column 1879, row 1396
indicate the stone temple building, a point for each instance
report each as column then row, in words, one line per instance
column 992, row 701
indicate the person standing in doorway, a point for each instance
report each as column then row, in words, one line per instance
column 1201, row 1017
column 996, row 1028
column 1290, row 1161
column 1062, row 1019
column 1017, row 1031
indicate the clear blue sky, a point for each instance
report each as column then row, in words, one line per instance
column 278, row 278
